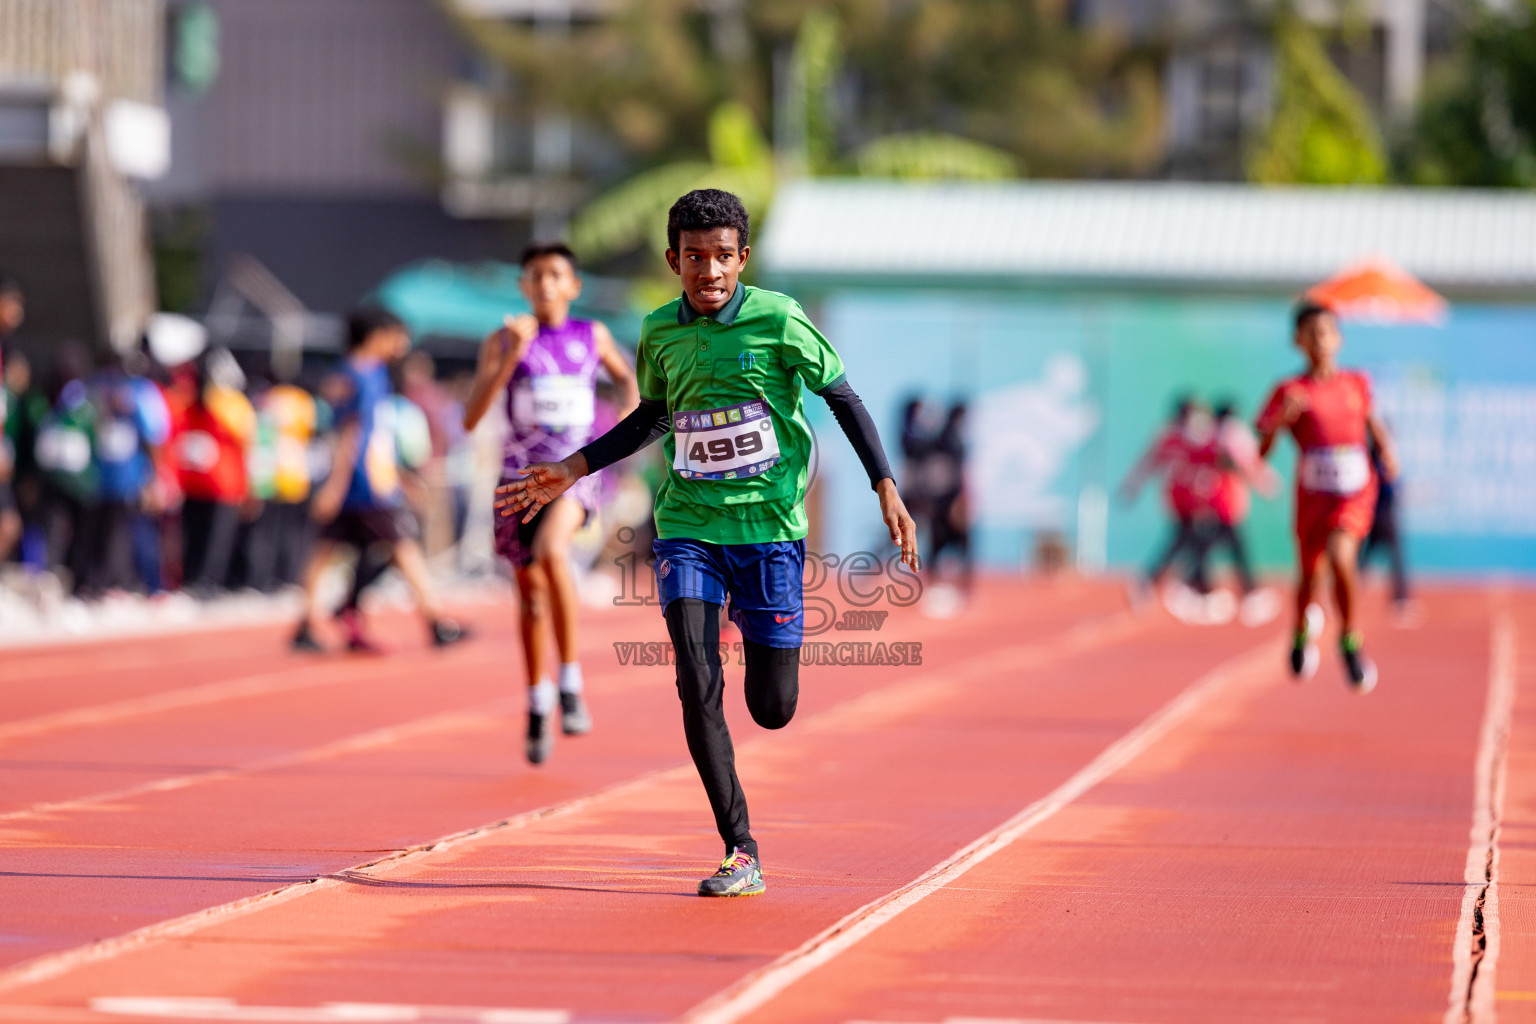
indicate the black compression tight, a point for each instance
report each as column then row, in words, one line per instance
column 772, row 689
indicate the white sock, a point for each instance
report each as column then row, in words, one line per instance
column 542, row 697
column 570, row 677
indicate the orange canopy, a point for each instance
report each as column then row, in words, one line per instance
column 1380, row 292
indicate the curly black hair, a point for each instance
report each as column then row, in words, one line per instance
column 706, row 208
column 538, row 250
column 365, row 320
column 1306, row 309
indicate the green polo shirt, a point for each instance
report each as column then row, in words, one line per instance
column 759, row 348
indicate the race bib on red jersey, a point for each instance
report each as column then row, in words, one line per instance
column 1341, row 469
column 725, row 444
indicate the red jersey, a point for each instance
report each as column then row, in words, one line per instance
column 210, row 457
column 1335, row 482
column 1189, row 456
column 1240, row 466
column 1333, row 410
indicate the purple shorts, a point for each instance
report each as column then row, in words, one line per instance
column 514, row 538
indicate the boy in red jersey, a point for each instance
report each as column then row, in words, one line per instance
column 1330, row 414
column 1172, row 453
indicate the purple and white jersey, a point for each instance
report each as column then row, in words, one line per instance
column 551, row 408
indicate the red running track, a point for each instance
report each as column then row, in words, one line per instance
column 1066, row 813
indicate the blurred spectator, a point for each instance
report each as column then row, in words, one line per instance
column 1173, row 455
column 26, row 406
column 64, row 447
column 287, row 421
column 1384, row 537
column 132, row 422
column 12, row 312
column 943, row 475
column 210, row 442
column 1238, row 467
column 917, row 439
column 13, row 307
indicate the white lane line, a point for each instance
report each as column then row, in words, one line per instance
column 448, row 721
column 199, row 1008
column 52, row 965
column 1105, row 629
column 1474, row 958
column 756, row 989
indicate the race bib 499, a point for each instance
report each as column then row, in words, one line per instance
column 725, row 444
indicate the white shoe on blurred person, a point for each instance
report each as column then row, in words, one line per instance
column 1259, row 607
column 1184, row 604
column 1218, row 608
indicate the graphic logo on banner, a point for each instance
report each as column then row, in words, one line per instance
column 1024, row 437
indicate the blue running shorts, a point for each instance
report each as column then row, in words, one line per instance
column 765, row 583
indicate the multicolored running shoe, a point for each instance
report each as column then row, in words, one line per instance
column 739, row 875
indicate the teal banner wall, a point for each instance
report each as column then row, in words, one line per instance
column 1066, row 390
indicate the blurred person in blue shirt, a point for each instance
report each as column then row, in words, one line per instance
column 362, row 502
column 132, row 422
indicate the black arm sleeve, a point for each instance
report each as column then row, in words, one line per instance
column 851, row 415
column 643, row 427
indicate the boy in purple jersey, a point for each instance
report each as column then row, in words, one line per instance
column 544, row 367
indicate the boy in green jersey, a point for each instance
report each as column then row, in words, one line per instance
column 720, row 371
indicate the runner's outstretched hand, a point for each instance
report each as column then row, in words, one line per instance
column 541, row 484
column 899, row 521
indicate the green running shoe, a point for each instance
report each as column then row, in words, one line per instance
column 739, row 875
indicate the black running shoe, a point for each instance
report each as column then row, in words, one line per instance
column 739, row 875
column 575, row 719
column 541, row 738
column 304, row 641
column 1360, row 669
column 446, row 632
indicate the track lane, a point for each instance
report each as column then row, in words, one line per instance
column 1509, row 990
column 164, row 852
column 596, row 907
column 1294, row 853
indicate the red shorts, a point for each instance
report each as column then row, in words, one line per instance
column 1319, row 515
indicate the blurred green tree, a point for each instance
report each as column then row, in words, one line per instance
column 978, row 89
column 1321, row 131
column 1476, row 123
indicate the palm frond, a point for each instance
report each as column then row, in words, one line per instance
column 934, row 156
